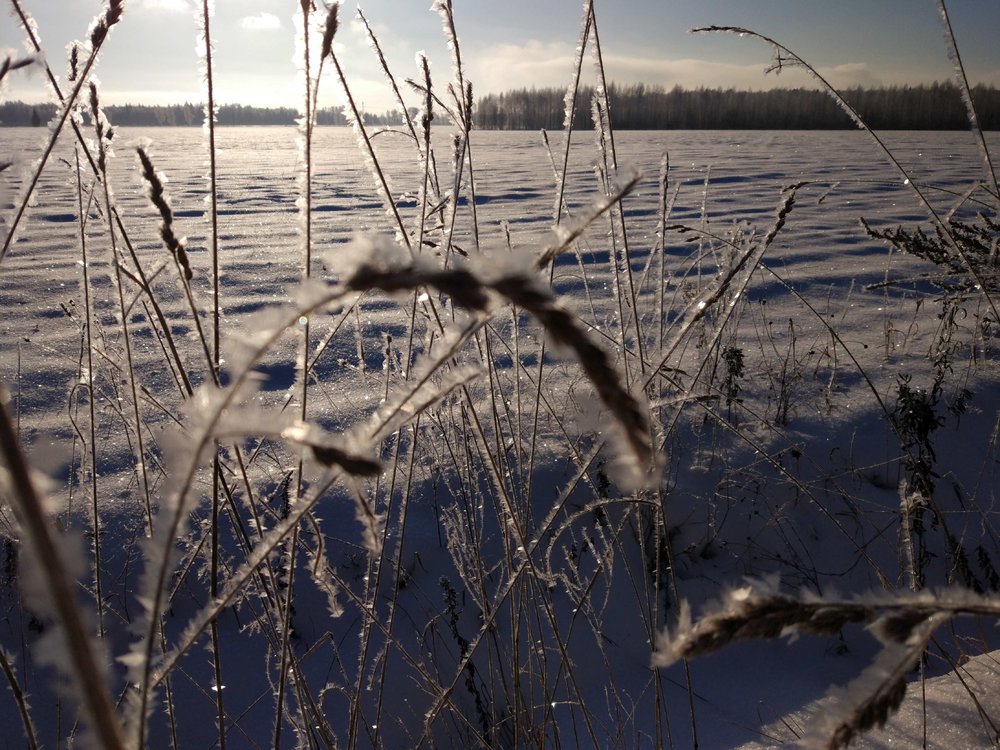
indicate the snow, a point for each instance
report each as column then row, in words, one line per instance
column 798, row 476
column 958, row 709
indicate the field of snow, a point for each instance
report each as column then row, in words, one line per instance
column 514, row 565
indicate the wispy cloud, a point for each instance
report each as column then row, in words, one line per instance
column 166, row 6
column 261, row 22
column 546, row 64
column 534, row 63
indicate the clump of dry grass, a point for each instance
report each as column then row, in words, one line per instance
column 521, row 287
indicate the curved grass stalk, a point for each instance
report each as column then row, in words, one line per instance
column 364, row 140
column 966, row 91
column 786, row 57
column 522, row 290
column 903, row 622
column 470, row 291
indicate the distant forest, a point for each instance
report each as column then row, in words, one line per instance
column 936, row 106
column 19, row 114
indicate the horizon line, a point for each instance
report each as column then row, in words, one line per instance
column 652, row 86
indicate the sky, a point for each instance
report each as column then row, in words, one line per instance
column 151, row 58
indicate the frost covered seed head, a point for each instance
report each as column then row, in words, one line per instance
column 74, row 61
column 159, row 199
column 102, row 25
column 330, row 29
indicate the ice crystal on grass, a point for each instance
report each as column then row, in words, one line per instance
column 30, row 26
column 459, row 87
column 754, row 611
column 204, row 12
column 573, row 89
column 372, row 250
column 329, row 451
column 966, row 92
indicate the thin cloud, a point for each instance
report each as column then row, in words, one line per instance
column 261, row 22
column 165, row 6
column 853, row 74
column 505, row 66
column 550, row 64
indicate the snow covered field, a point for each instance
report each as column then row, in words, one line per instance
column 511, row 583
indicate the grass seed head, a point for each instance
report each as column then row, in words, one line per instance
column 330, row 29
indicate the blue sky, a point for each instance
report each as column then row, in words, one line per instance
column 151, row 56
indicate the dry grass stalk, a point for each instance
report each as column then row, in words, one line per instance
column 329, row 30
column 755, row 611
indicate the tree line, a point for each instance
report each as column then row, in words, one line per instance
column 936, row 106
column 19, row 114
